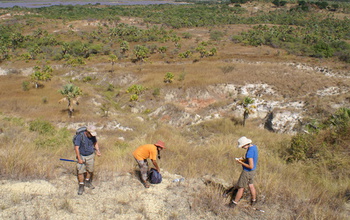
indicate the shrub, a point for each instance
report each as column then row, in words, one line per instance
column 25, row 85
column 169, row 77
column 41, row 126
column 156, row 92
column 134, row 97
column 322, row 49
column 239, row 1
column 216, row 35
column 344, row 56
column 186, row 54
column 162, row 49
column 141, row 52
column 321, row 5
column 187, row 35
column 279, row 3
column 136, row 89
column 87, row 79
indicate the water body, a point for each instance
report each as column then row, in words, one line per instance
column 38, row 4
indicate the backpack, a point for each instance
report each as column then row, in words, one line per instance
column 154, row 176
column 78, row 132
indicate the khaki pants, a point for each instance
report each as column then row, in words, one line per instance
column 88, row 165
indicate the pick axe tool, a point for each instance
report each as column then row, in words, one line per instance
column 68, row 160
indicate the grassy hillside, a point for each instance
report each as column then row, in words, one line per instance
column 149, row 72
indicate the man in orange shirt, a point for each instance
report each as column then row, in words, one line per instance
column 144, row 152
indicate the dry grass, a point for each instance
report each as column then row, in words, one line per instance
column 286, row 191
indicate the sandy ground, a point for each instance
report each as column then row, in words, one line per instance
column 122, row 197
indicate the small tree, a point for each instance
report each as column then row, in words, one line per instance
column 124, row 47
column 112, row 59
column 135, row 91
column 248, row 106
column 44, row 75
column 169, row 77
column 141, row 52
column 72, row 94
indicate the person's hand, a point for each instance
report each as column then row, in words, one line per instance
column 239, row 160
column 80, row 161
column 98, row 153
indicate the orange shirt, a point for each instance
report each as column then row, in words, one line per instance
column 146, row 151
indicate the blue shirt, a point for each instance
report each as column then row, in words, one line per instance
column 252, row 152
column 86, row 144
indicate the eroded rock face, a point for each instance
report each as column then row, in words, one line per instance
column 282, row 121
column 193, row 107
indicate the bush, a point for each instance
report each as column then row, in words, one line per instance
column 136, row 89
column 41, row 126
column 344, row 56
column 321, row 5
column 279, row 3
column 216, row 35
column 322, row 49
column 169, row 77
column 156, row 92
column 25, row 85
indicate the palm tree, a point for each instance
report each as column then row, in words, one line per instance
column 44, row 75
column 72, row 94
column 113, row 59
column 248, row 108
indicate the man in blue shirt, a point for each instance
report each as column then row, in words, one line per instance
column 249, row 164
column 85, row 146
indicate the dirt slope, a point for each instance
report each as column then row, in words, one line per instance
column 122, row 197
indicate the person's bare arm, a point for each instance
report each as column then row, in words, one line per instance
column 97, row 149
column 77, row 152
column 156, row 165
column 246, row 165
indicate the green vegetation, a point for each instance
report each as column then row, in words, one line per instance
column 169, row 77
column 317, row 39
column 247, row 104
column 312, row 34
column 135, row 91
column 72, row 94
column 304, row 172
column 41, row 74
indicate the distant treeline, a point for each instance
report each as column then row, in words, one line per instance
column 301, row 30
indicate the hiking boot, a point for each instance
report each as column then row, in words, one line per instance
column 89, row 184
column 81, row 189
column 253, row 202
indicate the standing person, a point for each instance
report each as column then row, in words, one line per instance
column 144, row 152
column 85, row 146
column 249, row 164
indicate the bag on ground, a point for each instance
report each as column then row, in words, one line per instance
column 154, row 176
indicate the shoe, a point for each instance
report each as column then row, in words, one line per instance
column 81, row 189
column 89, row 184
column 146, row 184
column 232, row 205
column 253, row 202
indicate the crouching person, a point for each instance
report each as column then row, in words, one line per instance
column 144, row 152
column 85, row 146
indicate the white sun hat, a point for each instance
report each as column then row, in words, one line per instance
column 92, row 130
column 243, row 141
